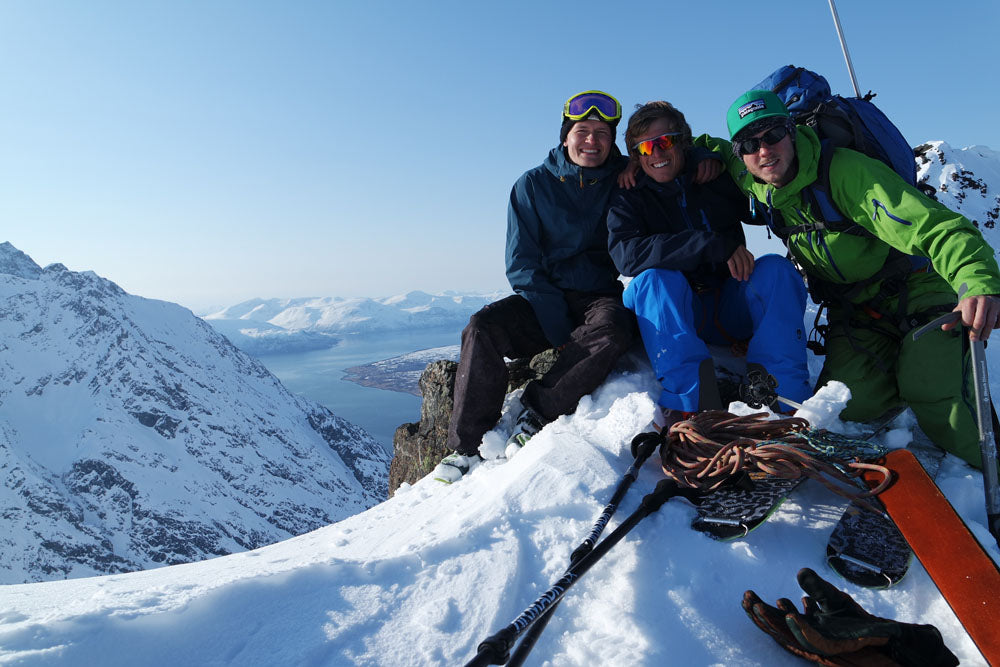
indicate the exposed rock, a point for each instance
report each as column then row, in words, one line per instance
column 421, row 446
column 960, row 179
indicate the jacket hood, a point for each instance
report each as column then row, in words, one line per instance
column 560, row 166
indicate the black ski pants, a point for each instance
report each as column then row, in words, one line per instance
column 508, row 328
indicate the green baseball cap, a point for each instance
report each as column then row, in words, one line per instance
column 752, row 106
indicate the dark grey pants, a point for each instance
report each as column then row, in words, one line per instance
column 508, row 328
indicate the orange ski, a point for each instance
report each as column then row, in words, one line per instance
column 965, row 574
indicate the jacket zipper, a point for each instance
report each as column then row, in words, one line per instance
column 876, row 204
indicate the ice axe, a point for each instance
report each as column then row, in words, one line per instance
column 985, row 415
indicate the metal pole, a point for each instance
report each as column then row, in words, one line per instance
column 843, row 47
column 987, row 439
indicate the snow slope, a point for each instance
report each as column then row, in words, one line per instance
column 422, row 578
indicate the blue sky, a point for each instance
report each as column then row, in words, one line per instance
column 209, row 152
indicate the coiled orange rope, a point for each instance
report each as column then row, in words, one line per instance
column 712, row 447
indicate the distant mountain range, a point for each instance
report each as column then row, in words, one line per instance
column 262, row 326
column 133, row 435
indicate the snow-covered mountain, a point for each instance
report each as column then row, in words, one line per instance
column 262, row 326
column 133, row 435
column 967, row 180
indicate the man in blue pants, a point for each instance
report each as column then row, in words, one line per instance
column 694, row 282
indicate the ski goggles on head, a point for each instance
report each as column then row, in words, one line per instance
column 752, row 145
column 663, row 142
column 581, row 105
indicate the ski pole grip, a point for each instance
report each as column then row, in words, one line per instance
column 644, row 444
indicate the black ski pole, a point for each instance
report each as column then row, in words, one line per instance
column 986, row 420
column 643, row 446
column 495, row 650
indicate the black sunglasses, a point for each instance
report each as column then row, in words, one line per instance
column 771, row 137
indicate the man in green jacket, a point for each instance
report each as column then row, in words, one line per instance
column 875, row 279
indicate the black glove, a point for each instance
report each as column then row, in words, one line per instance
column 835, row 630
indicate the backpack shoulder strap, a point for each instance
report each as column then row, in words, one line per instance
column 818, row 192
column 821, row 204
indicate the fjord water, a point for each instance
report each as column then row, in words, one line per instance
column 318, row 375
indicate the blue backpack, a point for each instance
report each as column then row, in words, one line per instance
column 844, row 122
column 840, row 122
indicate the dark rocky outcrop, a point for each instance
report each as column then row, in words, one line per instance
column 420, row 446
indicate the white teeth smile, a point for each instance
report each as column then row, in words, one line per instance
column 661, row 164
column 769, row 163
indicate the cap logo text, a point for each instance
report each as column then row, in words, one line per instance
column 750, row 107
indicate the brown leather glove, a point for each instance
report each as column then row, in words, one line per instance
column 835, row 630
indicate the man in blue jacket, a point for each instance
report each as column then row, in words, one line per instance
column 567, row 292
column 695, row 283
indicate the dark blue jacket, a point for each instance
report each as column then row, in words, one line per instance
column 677, row 225
column 557, row 237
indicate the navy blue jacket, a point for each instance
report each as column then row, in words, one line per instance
column 557, row 237
column 677, row 225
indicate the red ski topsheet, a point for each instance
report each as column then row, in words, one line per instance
column 967, row 577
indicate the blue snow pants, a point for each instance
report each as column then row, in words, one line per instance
column 676, row 323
